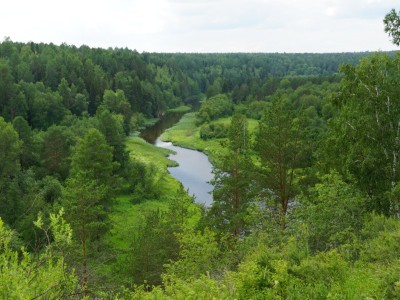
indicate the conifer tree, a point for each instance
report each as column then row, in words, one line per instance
column 232, row 181
column 87, row 196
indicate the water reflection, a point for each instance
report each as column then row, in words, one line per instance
column 194, row 171
column 151, row 134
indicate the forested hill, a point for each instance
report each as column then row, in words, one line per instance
column 73, row 80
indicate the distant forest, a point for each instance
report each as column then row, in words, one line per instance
column 73, row 80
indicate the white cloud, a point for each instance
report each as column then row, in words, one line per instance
column 202, row 25
column 331, row 11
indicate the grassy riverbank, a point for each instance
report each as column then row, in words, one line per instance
column 127, row 217
column 180, row 109
column 187, row 134
column 152, row 121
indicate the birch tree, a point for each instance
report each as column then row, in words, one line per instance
column 365, row 138
column 392, row 26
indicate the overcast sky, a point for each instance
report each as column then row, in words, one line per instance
column 202, row 25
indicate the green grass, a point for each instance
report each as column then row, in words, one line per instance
column 150, row 122
column 147, row 153
column 126, row 216
column 180, row 109
column 186, row 134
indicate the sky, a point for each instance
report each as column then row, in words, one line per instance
column 291, row 26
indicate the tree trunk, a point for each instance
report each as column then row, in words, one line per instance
column 85, row 274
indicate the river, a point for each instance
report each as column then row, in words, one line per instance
column 194, row 170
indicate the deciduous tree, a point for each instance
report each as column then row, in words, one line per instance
column 364, row 140
column 392, row 26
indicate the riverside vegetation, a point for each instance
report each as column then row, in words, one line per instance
column 306, row 164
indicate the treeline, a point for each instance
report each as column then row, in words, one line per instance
column 223, row 73
column 73, row 80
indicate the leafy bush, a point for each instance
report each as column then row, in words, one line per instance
column 213, row 131
column 142, row 180
column 214, row 107
column 256, row 109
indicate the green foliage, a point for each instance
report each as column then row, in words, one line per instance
column 51, row 189
column 10, row 149
column 213, row 131
column 381, row 239
column 155, row 241
column 47, row 109
column 215, row 107
column 24, row 276
column 153, row 245
column 232, row 182
column 85, row 202
column 56, row 154
column 55, row 151
column 7, row 89
column 92, row 158
column 392, row 26
column 256, row 109
column 136, row 122
column 143, row 181
column 238, row 134
column 363, row 137
column 117, row 103
column 199, row 255
column 28, row 151
column 282, row 148
column 87, row 198
column 333, row 211
column 111, row 126
column 73, row 100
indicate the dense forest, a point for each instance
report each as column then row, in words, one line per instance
column 305, row 152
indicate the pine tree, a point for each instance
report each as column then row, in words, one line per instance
column 232, row 181
column 280, row 146
column 87, row 195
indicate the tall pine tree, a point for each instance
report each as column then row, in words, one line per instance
column 87, row 196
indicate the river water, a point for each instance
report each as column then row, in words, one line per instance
column 194, row 170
